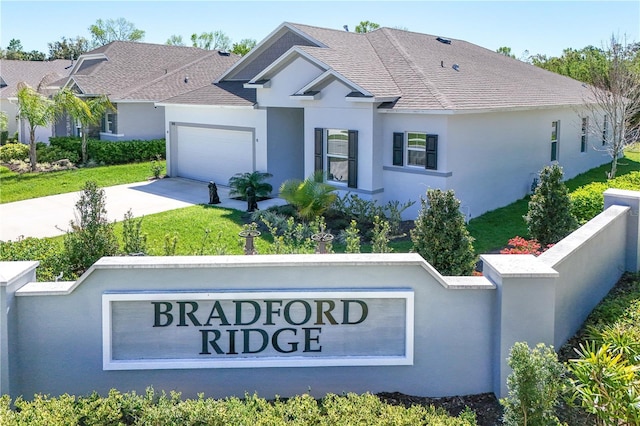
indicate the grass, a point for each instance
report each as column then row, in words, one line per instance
column 493, row 229
column 17, row 187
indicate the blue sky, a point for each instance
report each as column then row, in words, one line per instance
column 544, row 27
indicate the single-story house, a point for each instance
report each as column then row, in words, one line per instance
column 386, row 115
column 37, row 74
column 137, row 75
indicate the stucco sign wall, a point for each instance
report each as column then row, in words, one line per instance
column 173, row 330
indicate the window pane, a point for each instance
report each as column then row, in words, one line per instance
column 416, row 158
column 554, row 130
column 416, row 140
column 337, row 142
column 337, row 169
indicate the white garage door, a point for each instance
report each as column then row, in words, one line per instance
column 213, row 154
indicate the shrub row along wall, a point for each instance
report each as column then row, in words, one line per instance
column 118, row 152
column 291, row 324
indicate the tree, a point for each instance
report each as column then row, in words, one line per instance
column 549, row 218
column 68, row 48
column 366, row 26
column 440, row 235
column 175, row 40
column 241, row 182
column 38, row 110
column 580, row 65
column 91, row 236
column 506, row 51
column 535, row 385
column 216, row 40
column 104, row 32
column 87, row 112
column 243, row 46
column 613, row 109
column 14, row 50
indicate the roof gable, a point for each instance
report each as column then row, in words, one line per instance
column 31, row 72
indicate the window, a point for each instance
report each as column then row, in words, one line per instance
column 583, row 134
column 336, row 154
column 605, row 130
column 555, row 131
column 420, row 150
column 110, row 123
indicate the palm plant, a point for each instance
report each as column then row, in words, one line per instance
column 86, row 112
column 241, row 182
column 38, row 110
column 311, row 197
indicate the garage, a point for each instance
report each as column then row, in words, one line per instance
column 212, row 153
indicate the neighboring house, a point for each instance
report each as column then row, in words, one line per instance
column 386, row 115
column 37, row 74
column 135, row 76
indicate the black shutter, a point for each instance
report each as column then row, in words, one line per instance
column 353, row 159
column 318, row 152
column 398, row 149
column 432, row 152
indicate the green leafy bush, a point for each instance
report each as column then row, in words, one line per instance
column 549, row 218
column 588, row 200
column 48, row 252
column 91, row 236
column 113, row 152
column 170, row 410
column 535, row 385
column 440, row 235
column 49, row 154
column 14, row 151
column 312, row 197
column 134, row 241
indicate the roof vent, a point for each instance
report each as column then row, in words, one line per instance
column 223, row 53
column 443, row 40
column 456, row 67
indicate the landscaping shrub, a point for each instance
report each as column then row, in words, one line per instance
column 535, row 384
column 549, row 217
column 49, row 253
column 380, row 236
column 113, row 152
column 311, row 197
column 155, row 408
column 588, row 200
column 440, row 235
column 519, row 245
column 91, row 236
column 133, row 240
column 14, row 151
column 351, row 238
column 50, row 154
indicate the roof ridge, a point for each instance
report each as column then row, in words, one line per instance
column 444, row 102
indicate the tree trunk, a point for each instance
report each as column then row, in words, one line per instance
column 32, row 149
column 614, row 168
column 84, row 145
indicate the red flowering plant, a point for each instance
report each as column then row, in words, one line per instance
column 519, row 245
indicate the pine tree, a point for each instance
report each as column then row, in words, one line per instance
column 549, row 218
column 441, row 236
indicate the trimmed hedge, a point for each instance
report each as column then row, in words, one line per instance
column 167, row 410
column 113, row 152
column 588, row 200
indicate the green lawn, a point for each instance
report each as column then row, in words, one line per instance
column 16, row 187
column 493, row 229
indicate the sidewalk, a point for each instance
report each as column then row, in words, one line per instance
column 50, row 216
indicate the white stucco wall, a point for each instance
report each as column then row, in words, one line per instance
column 11, row 109
column 219, row 116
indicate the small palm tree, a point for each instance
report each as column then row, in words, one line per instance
column 311, row 197
column 86, row 112
column 240, row 182
column 38, row 110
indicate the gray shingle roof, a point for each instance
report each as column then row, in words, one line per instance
column 225, row 93
column 31, row 72
column 151, row 72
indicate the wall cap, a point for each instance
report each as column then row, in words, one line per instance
column 11, row 271
column 518, row 266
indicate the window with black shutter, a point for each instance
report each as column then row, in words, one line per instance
column 431, row 152
column 352, row 181
column 318, row 152
column 398, row 149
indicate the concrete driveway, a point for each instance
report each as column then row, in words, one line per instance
column 50, row 216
